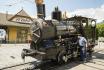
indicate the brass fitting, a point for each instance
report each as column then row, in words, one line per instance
column 39, row 1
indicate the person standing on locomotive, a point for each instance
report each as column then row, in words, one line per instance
column 82, row 44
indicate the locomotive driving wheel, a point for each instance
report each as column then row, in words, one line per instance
column 62, row 58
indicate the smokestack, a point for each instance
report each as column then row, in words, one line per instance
column 40, row 9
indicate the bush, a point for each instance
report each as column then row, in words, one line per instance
column 100, row 28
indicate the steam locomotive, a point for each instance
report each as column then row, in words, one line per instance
column 57, row 39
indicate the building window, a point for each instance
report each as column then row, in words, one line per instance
column 22, row 35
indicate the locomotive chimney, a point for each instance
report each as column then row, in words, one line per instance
column 40, row 9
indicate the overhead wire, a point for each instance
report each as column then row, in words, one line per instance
column 13, row 3
column 31, row 1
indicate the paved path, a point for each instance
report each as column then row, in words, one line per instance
column 11, row 55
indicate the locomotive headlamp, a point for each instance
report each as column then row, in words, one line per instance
column 93, row 23
column 84, row 24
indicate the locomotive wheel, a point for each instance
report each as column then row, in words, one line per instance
column 62, row 58
column 32, row 45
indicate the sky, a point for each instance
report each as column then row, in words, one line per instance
column 88, row 8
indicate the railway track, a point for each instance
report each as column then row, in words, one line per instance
column 32, row 65
column 22, row 66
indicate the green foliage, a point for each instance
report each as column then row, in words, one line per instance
column 100, row 28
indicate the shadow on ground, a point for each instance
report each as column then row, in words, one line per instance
column 97, row 60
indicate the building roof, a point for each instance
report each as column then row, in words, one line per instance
column 22, row 13
column 8, row 23
column 5, row 19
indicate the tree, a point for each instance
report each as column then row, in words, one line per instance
column 100, row 28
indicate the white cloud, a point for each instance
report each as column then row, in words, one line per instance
column 96, row 13
column 67, row 14
column 48, row 18
column 102, row 6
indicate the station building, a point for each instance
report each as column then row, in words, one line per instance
column 16, row 27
